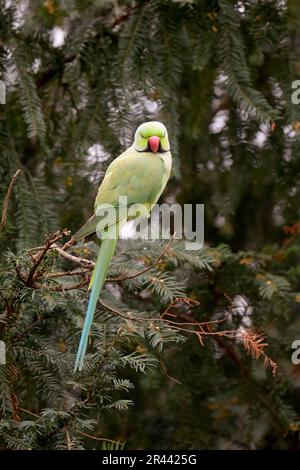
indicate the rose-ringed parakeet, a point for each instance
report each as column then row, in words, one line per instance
column 140, row 174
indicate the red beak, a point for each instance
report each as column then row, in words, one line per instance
column 154, row 142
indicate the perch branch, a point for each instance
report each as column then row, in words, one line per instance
column 37, row 259
column 75, row 259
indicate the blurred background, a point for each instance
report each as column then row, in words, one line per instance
column 80, row 76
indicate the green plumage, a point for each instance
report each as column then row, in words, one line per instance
column 140, row 174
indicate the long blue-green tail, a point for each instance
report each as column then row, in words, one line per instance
column 106, row 251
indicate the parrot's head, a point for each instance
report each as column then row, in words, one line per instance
column 151, row 137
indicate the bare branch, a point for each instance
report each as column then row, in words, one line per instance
column 80, row 272
column 97, row 438
column 6, row 200
column 75, row 259
column 38, row 258
column 68, row 439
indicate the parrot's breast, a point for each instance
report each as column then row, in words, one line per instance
column 167, row 159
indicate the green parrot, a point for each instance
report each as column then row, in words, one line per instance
column 139, row 176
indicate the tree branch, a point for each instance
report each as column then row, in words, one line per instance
column 6, row 200
column 39, row 257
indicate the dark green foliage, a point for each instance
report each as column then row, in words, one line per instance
column 219, row 74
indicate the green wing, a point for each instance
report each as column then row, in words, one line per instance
column 140, row 176
column 137, row 175
column 87, row 229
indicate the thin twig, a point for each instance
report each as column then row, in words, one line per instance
column 166, row 371
column 6, row 200
column 252, row 340
column 186, row 300
column 29, row 412
column 39, row 257
column 75, row 259
column 123, row 315
column 176, row 326
column 68, row 439
column 67, row 273
column 68, row 244
column 97, row 438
